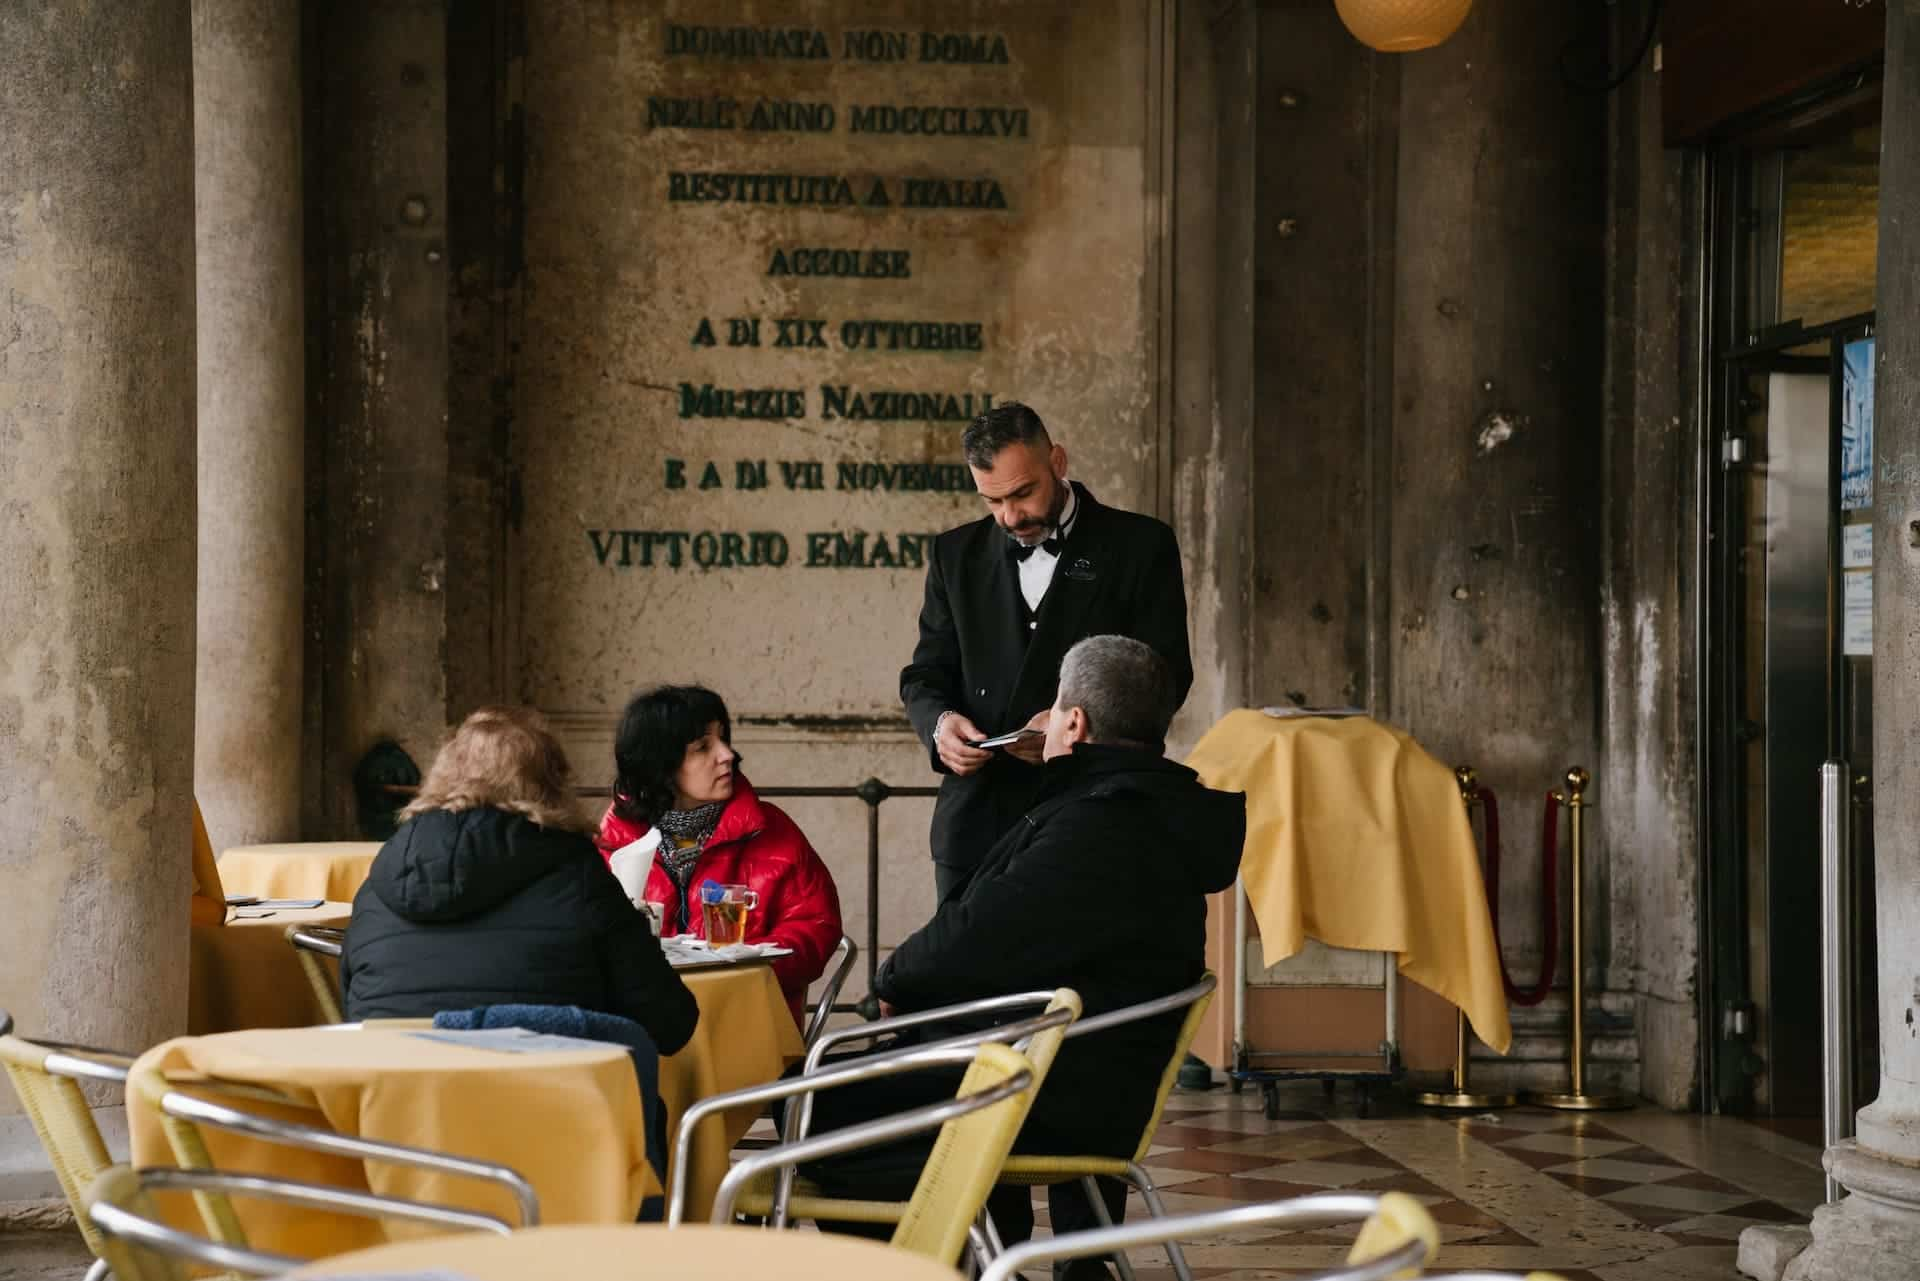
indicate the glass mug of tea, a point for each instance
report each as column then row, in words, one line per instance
column 723, row 910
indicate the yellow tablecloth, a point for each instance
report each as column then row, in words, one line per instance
column 245, row 975
column 312, row 869
column 1358, row 838
column 569, row 1121
column 746, row 1036
column 641, row 1254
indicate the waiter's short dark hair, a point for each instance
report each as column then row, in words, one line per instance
column 1124, row 688
column 1009, row 424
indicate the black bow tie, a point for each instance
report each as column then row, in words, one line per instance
column 1020, row 551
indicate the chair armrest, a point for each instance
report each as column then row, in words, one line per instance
column 86, row 1062
column 120, row 1222
column 321, row 1196
column 866, row 1134
column 919, row 1018
column 318, row 939
column 1146, row 1009
column 186, row 1107
column 845, row 953
column 1298, row 1212
column 1015, row 1034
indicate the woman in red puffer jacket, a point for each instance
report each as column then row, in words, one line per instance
column 682, row 807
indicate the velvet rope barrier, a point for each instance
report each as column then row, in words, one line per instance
column 1549, row 894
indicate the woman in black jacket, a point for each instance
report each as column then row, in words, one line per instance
column 491, row 893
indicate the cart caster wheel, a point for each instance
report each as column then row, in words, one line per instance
column 1235, row 1084
column 1272, row 1102
column 1366, row 1102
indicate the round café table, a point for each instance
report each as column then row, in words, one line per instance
column 332, row 870
column 639, row 1254
column 568, row 1119
column 576, row 1137
column 243, row 974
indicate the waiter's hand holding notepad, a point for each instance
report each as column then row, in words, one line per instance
column 1005, row 740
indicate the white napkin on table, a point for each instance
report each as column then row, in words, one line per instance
column 632, row 862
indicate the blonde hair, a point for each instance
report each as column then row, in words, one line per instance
column 502, row 758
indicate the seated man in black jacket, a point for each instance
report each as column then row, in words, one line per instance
column 1102, row 888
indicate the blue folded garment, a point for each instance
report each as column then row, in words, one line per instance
column 591, row 1025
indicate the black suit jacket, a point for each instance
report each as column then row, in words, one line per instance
column 1119, row 573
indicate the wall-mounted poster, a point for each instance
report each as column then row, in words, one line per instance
column 1856, row 614
column 1856, row 425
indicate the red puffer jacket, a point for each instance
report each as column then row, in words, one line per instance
column 756, row 845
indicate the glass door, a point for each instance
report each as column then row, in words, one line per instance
column 1787, row 643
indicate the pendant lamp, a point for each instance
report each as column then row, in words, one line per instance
column 1402, row 26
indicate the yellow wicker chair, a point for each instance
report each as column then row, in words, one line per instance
column 315, row 945
column 1032, row 1171
column 806, row 1201
column 46, row 1076
column 139, row 1246
column 1044, row 1171
column 949, row 1199
column 1399, row 1237
column 977, row 1129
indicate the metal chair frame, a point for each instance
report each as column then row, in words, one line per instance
column 958, row 1050
column 844, row 956
column 186, row 1107
column 310, row 942
column 869, row 1133
column 123, row 1224
column 78, row 1063
column 1132, row 1172
column 1307, row 1211
column 1016, row 1034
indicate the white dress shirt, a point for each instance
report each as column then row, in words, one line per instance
column 1036, row 571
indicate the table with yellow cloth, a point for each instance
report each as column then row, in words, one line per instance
column 1357, row 837
column 746, row 1036
column 385, row 1088
column 570, row 1121
column 640, row 1254
column 308, row 869
column 243, row 974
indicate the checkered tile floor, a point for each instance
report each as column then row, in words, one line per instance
column 1609, row 1197
column 1644, row 1195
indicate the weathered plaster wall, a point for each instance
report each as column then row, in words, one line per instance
column 97, row 497
column 620, row 278
column 1437, row 274
column 379, row 376
column 252, row 418
column 1649, row 655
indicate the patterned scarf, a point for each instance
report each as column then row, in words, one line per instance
column 697, row 825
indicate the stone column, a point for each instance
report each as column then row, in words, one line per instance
column 97, row 508
column 1874, row 1232
column 247, row 196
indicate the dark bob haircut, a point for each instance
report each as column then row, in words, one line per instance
column 655, row 732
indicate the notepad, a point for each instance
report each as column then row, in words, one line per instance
column 513, row 1040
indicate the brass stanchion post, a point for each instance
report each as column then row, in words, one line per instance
column 1461, row 1097
column 1578, row 1098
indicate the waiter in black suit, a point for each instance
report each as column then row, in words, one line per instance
column 1007, row 595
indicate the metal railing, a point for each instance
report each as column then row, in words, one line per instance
column 1836, row 960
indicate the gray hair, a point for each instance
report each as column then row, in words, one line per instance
column 1011, row 423
column 1122, row 686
